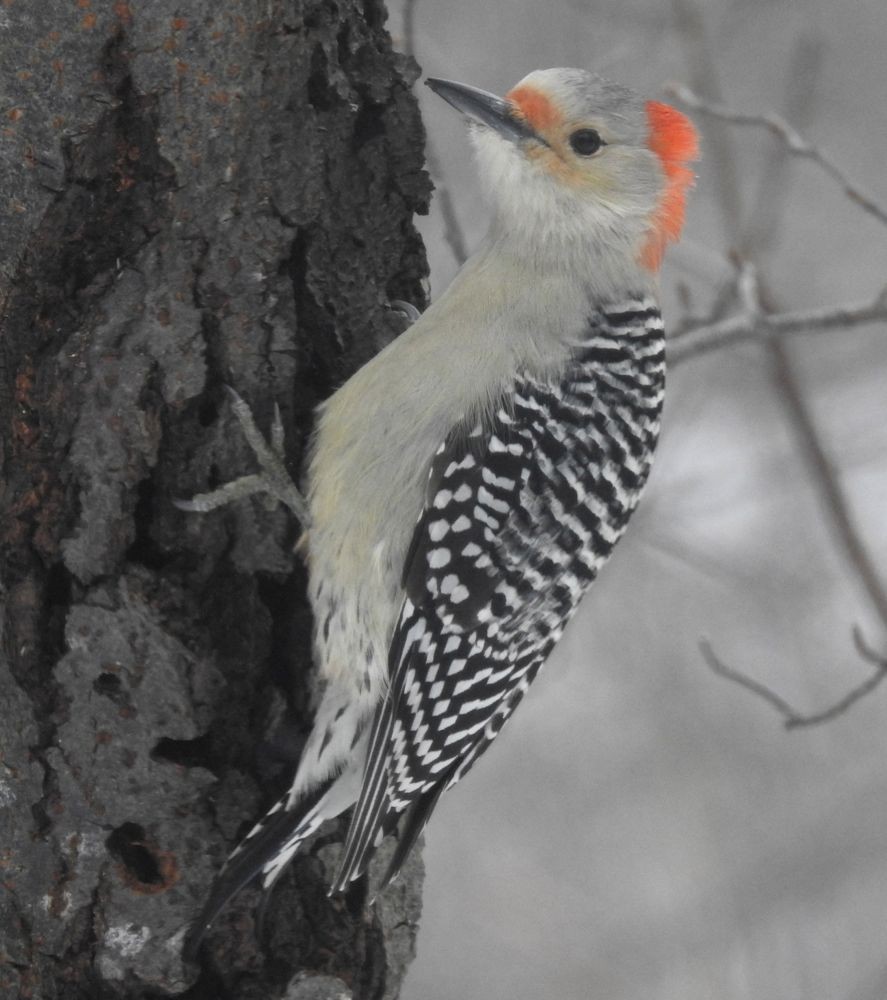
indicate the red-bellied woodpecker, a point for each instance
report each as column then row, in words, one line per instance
column 467, row 484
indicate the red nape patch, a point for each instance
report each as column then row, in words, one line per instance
column 536, row 108
column 674, row 140
column 672, row 135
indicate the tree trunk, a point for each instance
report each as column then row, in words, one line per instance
column 191, row 195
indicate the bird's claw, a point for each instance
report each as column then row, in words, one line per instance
column 273, row 480
column 407, row 309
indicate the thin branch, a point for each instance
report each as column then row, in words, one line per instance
column 865, row 650
column 744, row 326
column 453, row 235
column 455, row 238
column 743, row 680
column 758, row 317
column 700, row 60
column 792, row 718
column 770, row 201
column 794, row 142
column 409, row 27
column 827, row 479
column 800, row 414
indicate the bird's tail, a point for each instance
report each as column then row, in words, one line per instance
column 271, row 844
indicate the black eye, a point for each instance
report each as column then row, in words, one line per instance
column 586, row 141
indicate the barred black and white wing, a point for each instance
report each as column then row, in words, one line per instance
column 520, row 513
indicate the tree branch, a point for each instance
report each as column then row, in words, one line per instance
column 745, row 326
column 409, row 27
column 757, row 317
column 827, row 480
column 453, row 234
column 792, row 718
column 794, row 142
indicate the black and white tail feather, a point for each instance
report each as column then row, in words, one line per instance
column 520, row 513
column 265, row 851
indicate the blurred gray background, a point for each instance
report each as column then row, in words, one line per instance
column 644, row 828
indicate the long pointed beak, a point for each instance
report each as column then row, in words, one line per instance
column 484, row 108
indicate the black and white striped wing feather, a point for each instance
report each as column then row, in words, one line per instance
column 520, row 514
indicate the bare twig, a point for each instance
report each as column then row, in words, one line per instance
column 759, row 317
column 770, row 201
column 826, row 478
column 703, row 69
column 794, row 142
column 749, row 323
column 743, row 680
column 867, row 651
column 792, row 718
column 409, row 27
column 453, row 235
column 799, row 105
column 758, row 307
column 750, row 326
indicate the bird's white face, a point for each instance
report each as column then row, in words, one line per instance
column 570, row 155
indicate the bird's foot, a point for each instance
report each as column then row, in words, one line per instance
column 406, row 309
column 273, row 480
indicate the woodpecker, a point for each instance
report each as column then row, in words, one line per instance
column 467, row 484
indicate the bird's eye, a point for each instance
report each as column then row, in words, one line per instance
column 586, row 141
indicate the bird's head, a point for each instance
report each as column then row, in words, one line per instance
column 569, row 157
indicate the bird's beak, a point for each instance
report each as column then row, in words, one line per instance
column 485, row 108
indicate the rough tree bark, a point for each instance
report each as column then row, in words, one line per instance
column 191, row 195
